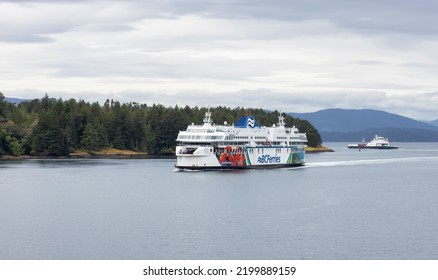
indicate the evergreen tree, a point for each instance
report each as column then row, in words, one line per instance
column 2, row 107
column 90, row 138
column 9, row 132
column 3, row 144
column 50, row 137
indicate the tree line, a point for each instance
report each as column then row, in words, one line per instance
column 57, row 127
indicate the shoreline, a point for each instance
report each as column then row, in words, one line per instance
column 127, row 154
column 319, row 149
column 115, row 156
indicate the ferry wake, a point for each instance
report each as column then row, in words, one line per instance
column 244, row 145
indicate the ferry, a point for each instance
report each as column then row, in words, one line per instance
column 243, row 145
column 379, row 142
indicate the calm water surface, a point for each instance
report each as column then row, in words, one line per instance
column 342, row 205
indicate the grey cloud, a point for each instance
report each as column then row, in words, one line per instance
column 105, row 27
column 23, row 38
column 42, row 1
column 370, row 62
column 39, row 20
column 375, row 17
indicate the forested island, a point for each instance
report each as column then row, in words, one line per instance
column 57, row 127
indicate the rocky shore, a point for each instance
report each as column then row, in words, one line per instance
column 319, row 149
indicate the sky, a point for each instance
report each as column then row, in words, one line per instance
column 288, row 55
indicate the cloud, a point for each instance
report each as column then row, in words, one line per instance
column 373, row 16
column 287, row 55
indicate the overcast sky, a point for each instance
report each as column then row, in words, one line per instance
column 289, row 55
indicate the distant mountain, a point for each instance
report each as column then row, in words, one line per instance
column 14, row 100
column 358, row 120
column 353, row 125
column 435, row 122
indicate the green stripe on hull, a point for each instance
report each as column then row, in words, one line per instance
column 247, row 160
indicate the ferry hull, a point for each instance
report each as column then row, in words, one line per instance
column 375, row 147
column 240, row 158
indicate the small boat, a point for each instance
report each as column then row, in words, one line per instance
column 378, row 142
column 361, row 145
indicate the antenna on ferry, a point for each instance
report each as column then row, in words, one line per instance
column 280, row 119
column 207, row 117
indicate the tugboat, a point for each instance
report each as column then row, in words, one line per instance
column 244, row 145
column 378, row 142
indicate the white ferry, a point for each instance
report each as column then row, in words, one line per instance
column 243, row 145
column 379, row 142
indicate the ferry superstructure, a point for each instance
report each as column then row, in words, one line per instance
column 380, row 142
column 244, row 145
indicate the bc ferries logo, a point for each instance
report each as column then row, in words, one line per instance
column 269, row 159
column 250, row 122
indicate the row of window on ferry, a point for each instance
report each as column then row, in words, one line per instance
column 218, row 137
column 201, row 137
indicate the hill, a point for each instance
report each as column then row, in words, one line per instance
column 14, row 100
column 358, row 120
column 435, row 122
column 353, row 125
column 56, row 127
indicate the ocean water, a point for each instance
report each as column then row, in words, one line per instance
column 350, row 204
